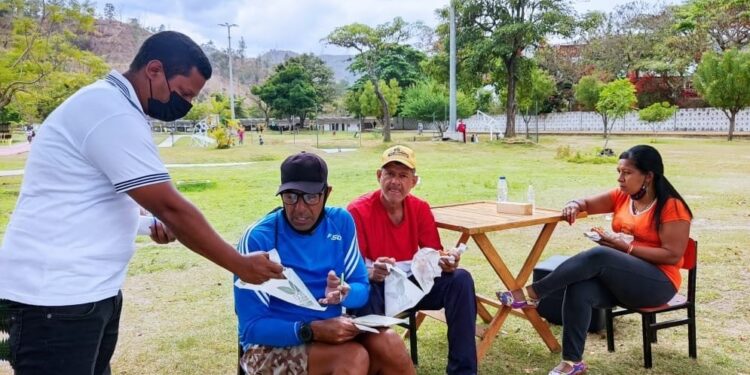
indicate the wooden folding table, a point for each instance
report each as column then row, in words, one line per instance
column 475, row 220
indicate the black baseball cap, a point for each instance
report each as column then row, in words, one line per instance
column 305, row 172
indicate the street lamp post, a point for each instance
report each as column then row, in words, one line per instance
column 229, row 27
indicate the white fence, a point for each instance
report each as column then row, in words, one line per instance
column 685, row 120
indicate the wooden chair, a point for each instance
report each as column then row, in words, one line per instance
column 240, row 352
column 648, row 315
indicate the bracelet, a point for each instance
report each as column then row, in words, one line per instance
column 574, row 201
column 630, row 249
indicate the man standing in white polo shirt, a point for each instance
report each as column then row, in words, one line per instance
column 71, row 235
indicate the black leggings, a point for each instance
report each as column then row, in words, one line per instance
column 601, row 277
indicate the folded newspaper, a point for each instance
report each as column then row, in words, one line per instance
column 291, row 289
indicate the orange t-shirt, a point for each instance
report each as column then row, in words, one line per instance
column 642, row 227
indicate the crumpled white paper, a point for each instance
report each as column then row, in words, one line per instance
column 402, row 294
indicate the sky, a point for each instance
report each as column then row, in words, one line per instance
column 296, row 25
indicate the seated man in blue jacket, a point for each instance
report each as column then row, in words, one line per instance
column 318, row 243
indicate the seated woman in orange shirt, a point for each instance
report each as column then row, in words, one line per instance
column 642, row 273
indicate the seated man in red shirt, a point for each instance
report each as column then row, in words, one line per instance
column 392, row 225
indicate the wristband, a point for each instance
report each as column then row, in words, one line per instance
column 574, row 201
column 630, row 249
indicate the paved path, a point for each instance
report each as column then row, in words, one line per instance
column 15, row 149
column 19, row 172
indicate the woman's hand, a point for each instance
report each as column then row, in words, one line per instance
column 570, row 211
column 611, row 240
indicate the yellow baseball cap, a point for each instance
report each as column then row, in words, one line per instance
column 400, row 154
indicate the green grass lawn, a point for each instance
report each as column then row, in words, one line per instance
column 178, row 316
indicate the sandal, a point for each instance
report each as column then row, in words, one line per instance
column 576, row 368
column 506, row 298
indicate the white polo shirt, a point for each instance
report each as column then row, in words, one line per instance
column 73, row 230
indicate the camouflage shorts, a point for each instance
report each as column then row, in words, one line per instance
column 267, row 360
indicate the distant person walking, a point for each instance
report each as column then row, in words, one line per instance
column 461, row 128
column 30, row 133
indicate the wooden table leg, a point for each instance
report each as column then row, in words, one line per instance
column 535, row 254
column 508, row 280
column 464, row 238
column 496, row 262
column 491, row 332
column 532, row 315
column 542, row 328
column 512, row 283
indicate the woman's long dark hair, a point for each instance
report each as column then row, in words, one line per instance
column 647, row 159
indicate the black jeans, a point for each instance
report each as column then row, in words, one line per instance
column 65, row 340
column 454, row 292
column 601, row 277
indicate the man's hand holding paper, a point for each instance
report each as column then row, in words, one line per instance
column 334, row 330
column 380, row 269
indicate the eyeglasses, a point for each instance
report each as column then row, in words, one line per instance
column 291, row 198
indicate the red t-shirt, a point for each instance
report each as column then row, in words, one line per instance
column 642, row 227
column 379, row 237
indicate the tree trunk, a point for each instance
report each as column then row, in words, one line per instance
column 605, row 120
column 386, row 114
column 510, row 108
column 302, row 118
column 731, row 124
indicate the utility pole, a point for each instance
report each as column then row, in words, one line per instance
column 452, row 70
column 229, row 27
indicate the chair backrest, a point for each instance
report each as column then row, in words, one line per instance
column 690, row 262
column 690, row 258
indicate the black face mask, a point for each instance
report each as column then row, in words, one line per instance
column 174, row 109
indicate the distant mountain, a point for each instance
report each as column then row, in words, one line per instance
column 337, row 63
column 340, row 64
column 117, row 43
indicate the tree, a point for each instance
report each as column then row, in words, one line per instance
column 726, row 22
column 399, row 62
column 372, row 43
column 616, row 99
column 623, row 40
column 262, row 106
column 321, row 77
column 534, row 90
column 724, row 81
column 109, row 11
column 289, row 92
column 587, row 92
column 428, row 100
column 241, row 47
column 369, row 104
column 39, row 48
column 657, row 112
column 199, row 111
column 494, row 33
column 611, row 101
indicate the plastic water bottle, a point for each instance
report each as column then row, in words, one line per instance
column 530, row 197
column 502, row 189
